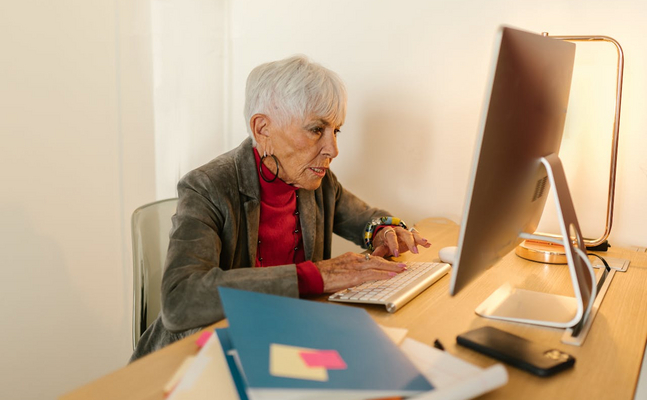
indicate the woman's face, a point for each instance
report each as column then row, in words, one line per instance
column 304, row 150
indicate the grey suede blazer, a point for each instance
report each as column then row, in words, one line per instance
column 214, row 237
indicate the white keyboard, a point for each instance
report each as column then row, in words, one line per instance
column 397, row 291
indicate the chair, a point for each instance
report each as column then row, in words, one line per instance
column 151, row 224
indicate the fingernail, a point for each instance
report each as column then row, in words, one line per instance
column 414, row 250
column 392, row 274
column 424, row 240
column 396, row 253
column 402, row 266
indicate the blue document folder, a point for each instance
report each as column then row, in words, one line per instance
column 290, row 348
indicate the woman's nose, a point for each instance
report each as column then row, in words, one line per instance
column 330, row 148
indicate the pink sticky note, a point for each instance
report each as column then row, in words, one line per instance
column 329, row 359
column 203, row 338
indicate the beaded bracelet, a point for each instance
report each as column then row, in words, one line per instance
column 371, row 226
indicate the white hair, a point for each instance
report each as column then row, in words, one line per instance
column 294, row 88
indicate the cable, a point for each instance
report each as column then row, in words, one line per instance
column 607, row 269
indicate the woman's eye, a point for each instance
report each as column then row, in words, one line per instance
column 337, row 131
column 318, row 130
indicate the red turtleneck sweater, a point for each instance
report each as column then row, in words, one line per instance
column 279, row 233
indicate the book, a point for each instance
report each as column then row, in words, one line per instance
column 287, row 348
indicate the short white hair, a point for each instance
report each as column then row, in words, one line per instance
column 294, row 88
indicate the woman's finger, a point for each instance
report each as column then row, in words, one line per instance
column 375, row 275
column 408, row 240
column 418, row 238
column 391, row 240
column 381, row 251
column 379, row 263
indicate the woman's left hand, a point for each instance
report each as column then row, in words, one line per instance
column 394, row 240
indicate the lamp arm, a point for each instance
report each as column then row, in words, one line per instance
column 616, row 129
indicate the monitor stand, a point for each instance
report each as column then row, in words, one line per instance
column 518, row 305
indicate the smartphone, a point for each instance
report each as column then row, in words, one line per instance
column 516, row 351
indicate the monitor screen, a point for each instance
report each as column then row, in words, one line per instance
column 522, row 123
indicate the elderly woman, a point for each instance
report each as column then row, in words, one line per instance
column 261, row 217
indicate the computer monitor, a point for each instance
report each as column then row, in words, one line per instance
column 514, row 165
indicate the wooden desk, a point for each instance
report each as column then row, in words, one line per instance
column 607, row 366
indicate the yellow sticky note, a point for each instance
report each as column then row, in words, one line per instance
column 286, row 362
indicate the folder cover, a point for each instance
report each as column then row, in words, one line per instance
column 289, row 348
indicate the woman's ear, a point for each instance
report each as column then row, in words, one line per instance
column 259, row 123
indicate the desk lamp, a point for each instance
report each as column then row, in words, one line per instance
column 547, row 251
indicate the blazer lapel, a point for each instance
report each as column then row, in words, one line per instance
column 252, row 216
column 250, row 191
column 308, row 215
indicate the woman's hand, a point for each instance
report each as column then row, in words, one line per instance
column 393, row 240
column 352, row 269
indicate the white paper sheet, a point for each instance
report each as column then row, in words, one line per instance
column 453, row 378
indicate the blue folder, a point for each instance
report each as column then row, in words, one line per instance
column 375, row 366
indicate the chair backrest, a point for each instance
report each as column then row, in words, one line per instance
column 151, row 224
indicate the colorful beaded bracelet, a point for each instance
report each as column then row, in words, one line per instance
column 371, row 226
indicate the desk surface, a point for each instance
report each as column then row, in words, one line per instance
column 607, row 366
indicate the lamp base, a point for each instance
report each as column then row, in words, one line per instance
column 541, row 251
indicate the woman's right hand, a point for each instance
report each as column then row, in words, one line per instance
column 352, row 269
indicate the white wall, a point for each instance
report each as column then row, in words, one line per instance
column 416, row 73
column 190, row 79
column 77, row 157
